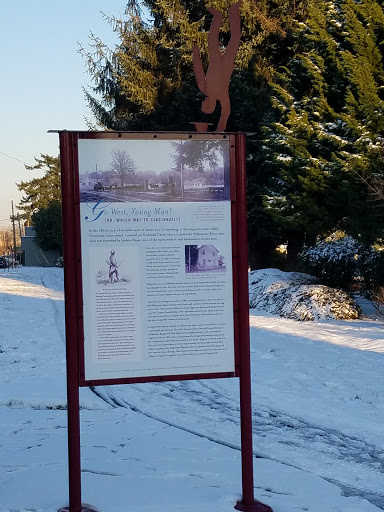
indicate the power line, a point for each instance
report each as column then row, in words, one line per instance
column 14, row 158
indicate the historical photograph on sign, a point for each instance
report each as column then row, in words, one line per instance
column 203, row 258
column 155, row 170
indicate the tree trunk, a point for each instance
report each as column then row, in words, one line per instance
column 294, row 246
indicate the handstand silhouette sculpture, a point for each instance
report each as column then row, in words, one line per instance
column 215, row 82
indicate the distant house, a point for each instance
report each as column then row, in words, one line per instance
column 207, row 257
column 32, row 254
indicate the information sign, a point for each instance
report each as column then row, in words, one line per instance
column 156, row 252
column 155, row 270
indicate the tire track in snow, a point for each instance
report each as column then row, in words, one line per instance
column 114, row 401
column 266, row 422
column 352, row 448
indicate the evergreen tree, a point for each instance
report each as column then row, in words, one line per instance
column 147, row 81
column 47, row 224
column 326, row 142
column 41, row 202
column 38, row 193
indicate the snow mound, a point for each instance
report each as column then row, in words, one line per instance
column 298, row 296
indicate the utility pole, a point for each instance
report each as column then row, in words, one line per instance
column 14, row 236
column 18, row 219
column 20, row 234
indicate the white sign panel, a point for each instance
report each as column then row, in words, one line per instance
column 156, row 257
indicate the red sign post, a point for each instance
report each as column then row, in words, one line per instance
column 154, row 228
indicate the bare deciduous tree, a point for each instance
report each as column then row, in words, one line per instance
column 122, row 165
column 6, row 240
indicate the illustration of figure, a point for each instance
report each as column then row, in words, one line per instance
column 113, row 266
column 215, row 83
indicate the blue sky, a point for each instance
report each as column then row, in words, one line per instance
column 41, row 80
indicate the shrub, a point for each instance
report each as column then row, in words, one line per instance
column 334, row 262
column 371, row 267
column 298, row 296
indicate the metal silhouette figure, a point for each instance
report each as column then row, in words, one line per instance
column 215, row 82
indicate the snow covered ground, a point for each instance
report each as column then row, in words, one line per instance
column 318, row 412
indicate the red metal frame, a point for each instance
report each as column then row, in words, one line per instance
column 248, row 502
column 75, row 136
column 71, row 316
column 74, row 305
column 235, row 251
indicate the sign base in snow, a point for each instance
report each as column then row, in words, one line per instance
column 83, row 509
column 253, row 506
